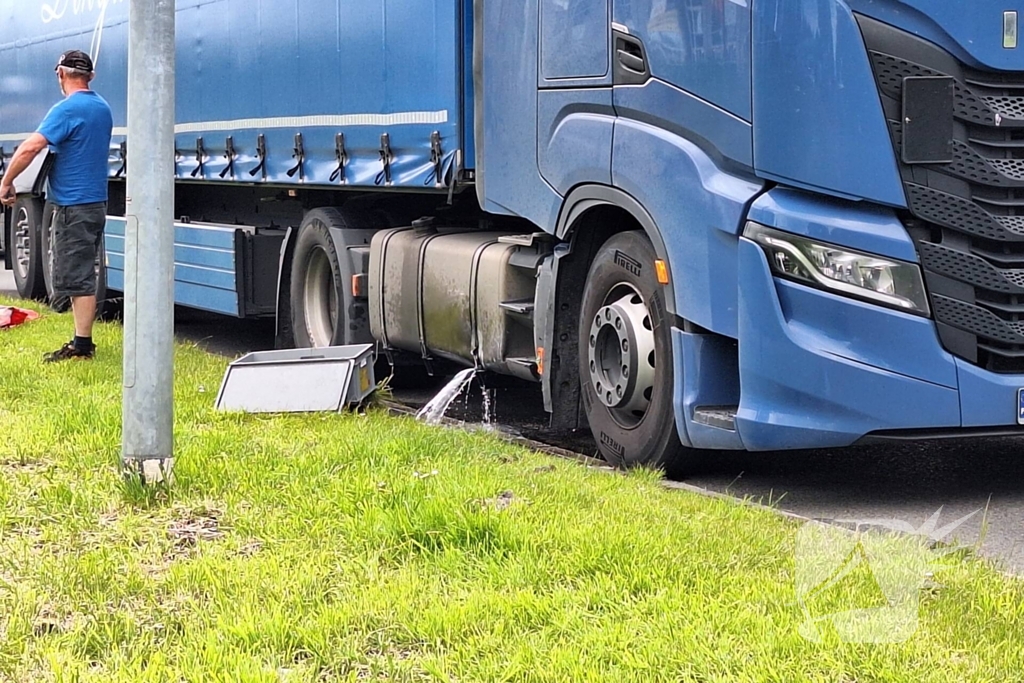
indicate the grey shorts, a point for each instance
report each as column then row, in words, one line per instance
column 77, row 238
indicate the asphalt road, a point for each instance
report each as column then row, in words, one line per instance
column 7, row 282
column 907, row 482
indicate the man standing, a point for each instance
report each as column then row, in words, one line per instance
column 78, row 131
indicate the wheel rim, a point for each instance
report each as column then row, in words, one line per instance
column 621, row 355
column 320, row 302
column 22, row 244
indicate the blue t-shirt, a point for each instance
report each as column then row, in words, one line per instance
column 78, row 129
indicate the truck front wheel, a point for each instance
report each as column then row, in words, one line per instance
column 625, row 352
column 26, row 252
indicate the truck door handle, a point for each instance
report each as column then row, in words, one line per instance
column 631, row 61
column 631, row 67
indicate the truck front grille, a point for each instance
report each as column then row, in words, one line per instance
column 965, row 216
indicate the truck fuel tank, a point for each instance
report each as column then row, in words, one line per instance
column 461, row 295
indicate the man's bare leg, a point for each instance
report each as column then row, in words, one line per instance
column 85, row 313
column 84, row 310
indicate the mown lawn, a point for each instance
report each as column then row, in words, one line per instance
column 366, row 547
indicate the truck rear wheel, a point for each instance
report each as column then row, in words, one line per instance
column 316, row 282
column 26, row 252
column 625, row 352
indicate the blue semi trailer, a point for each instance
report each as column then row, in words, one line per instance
column 699, row 224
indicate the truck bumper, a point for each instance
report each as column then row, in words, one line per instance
column 818, row 370
column 813, row 369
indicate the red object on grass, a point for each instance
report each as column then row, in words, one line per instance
column 11, row 316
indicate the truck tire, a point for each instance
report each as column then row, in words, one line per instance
column 26, row 250
column 4, row 239
column 316, row 280
column 625, row 352
column 62, row 304
column 103, row 307
column 59, row 304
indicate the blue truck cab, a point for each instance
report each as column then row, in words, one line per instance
column 699, row 224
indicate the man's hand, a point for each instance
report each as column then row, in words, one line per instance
column 23, row 156
column 7, row 194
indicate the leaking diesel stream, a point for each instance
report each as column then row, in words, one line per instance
column 509, row 406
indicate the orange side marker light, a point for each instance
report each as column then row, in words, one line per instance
column 661, row 269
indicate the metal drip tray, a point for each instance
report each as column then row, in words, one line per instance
column 298, row 380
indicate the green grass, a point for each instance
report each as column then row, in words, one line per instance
column 326, row 548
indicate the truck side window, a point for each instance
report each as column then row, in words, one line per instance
column 575, row 37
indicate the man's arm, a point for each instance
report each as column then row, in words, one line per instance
column 23, row 157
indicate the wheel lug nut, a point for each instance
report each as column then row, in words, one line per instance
column 593, row 366
column 593, row 340
column 625, row 371
column 607, row 314
column 625, row 345
column 609, row 397
column 618, row 323
column 618, row 391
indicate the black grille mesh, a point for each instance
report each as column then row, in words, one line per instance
column 1010, row 106
column 891, row 71
column 967, row 216
column 978, row 320
column 969, row 268
column 961, row 214
column 1008, row 168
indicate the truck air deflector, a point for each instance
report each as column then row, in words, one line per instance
column 817, row 119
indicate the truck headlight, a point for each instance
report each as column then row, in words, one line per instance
column 891, row 283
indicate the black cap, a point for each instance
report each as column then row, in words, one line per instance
column 75, row 59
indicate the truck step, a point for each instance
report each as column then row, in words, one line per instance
column 528, row 364
column 527, row 240
column 719, row 417
column 521, row 306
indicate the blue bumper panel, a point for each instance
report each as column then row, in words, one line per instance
column 807, row 384
column 845, row 328
column 987, row 399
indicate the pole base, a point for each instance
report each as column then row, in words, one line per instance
column 149, row 471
